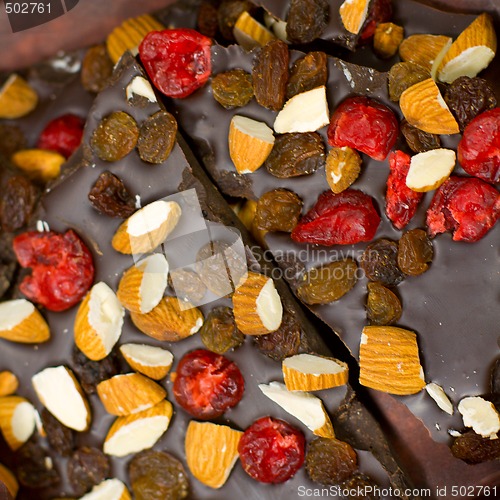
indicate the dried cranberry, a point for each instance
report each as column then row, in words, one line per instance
column 207, row 384
column 364, row 124
column 479, row 148
column 380, row 12
column 271, row 450
column 63, row 134
column 177, row 60
column 339, row 219
column 465, row 205
column 401, row 202
column 62, row 268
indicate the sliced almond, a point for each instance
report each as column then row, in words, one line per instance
column 389, row 360
column 310, row 372
column 424, row 107
column 141, row 87
column 353, row 14
column 304, row 112
column 110, row 489
column 10, row 481
column 250, row 143
column 139, row 431
column 437, row 393
column 249, row 33
column 343, row 166
column 147, row 228
column 17, row 98
column 130, row 393
column 471, row 52
column 169, row 321
column 98, row 322
column 17, row 420
column 8, row 383
column 428, row 170
column 304, row 406
column 39, row 164
column 154, row 362
column 257, row 305
column 211, row 451
column 481, row 415
column 20, row 321
column 60, row 392
column 425, row 50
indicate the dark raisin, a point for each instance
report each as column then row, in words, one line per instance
column 382, row 305
column 475, row 449
column 330, row 461
column 328, row 282
column 7, row 270
column 307, row 73
column 495, row 377
column 187, row 285
column 18, row 203
column 115, row 136
column 157, row 137
column 228, row 13
column 110, row 196
column 306, row 20
column 219, row 332
column 360, row 486
column 415, row 252
column 233, row 88
column 468, row 97
column 60, row 437
column 12, row 139
column 402, row 76
column 379, row 262
column 97, row 68
column 34, row 467
column 86, row 468
column 156, row 475
column 278, row 210
column 206, row 20
column 270, row 75
column 418, row 140
column 296, row 154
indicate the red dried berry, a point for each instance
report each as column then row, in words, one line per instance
column 479, row 148
column 62, row 134
column 339, row 219
column 271, row 450
column 177, row 60
column 401, row 202
column 364, row 124
column 207, row 384
column 62, row 268
column 380, row 12
column 465, row 205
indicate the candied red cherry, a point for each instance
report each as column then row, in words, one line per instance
column 467, row 206
column 380, row 12
column 479, row 149
column 207, row 384
column 401, row 202
column 339, row 219
column 62, row 134
column 271, row 450
column 177, row 60
column 62, row 268
column 364, row 124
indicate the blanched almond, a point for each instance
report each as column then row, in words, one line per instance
column 20, row 321
column 249, row 33
column 437, row 393
column 154, row 362
column 10, row 481
column 17, row 420
column 428, row 170
column 481, row 415
column 17, row 98
column 425, row 50
column 353, row 14
column 8, row 383
column 110, row 489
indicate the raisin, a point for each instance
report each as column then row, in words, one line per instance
column 360, row 486
column 233, row 88
column 270, row 75
column 110, row 196
column 7, row 271
column 418, row 140
column 495, row 378
column 402, row 76
column 306, row 20
column 62, row 134
column 380, row 263
column 331, row 220
column 475, row 449
column 479, row 149
column 59, row 436
column 97, row 68
column 219, row 332
column 12, row 139
column 87, row 467
column 382, row 305
column 32, row 467
column 278, row 210
column 157, row 137
column 206, row 20
column 228, row 13
column 18, row 203
column 115, row 136
column 401, row 202
column 268, row 442
column 380, row 12
column 156, row 475
column 296, row 154
column 62, row 268
column 343, row 166
column 387, row 39
column 328, row 282
column 207, row 384
column 364, row 124
column 178, row 61
column 465, row 205
column 307, row 73
column 468, row 97
column 187, row 285
column 415, row 252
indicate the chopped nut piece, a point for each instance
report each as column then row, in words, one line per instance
column 343, row 166
column 437, row 393
column 481, row 415
column 387, row 38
